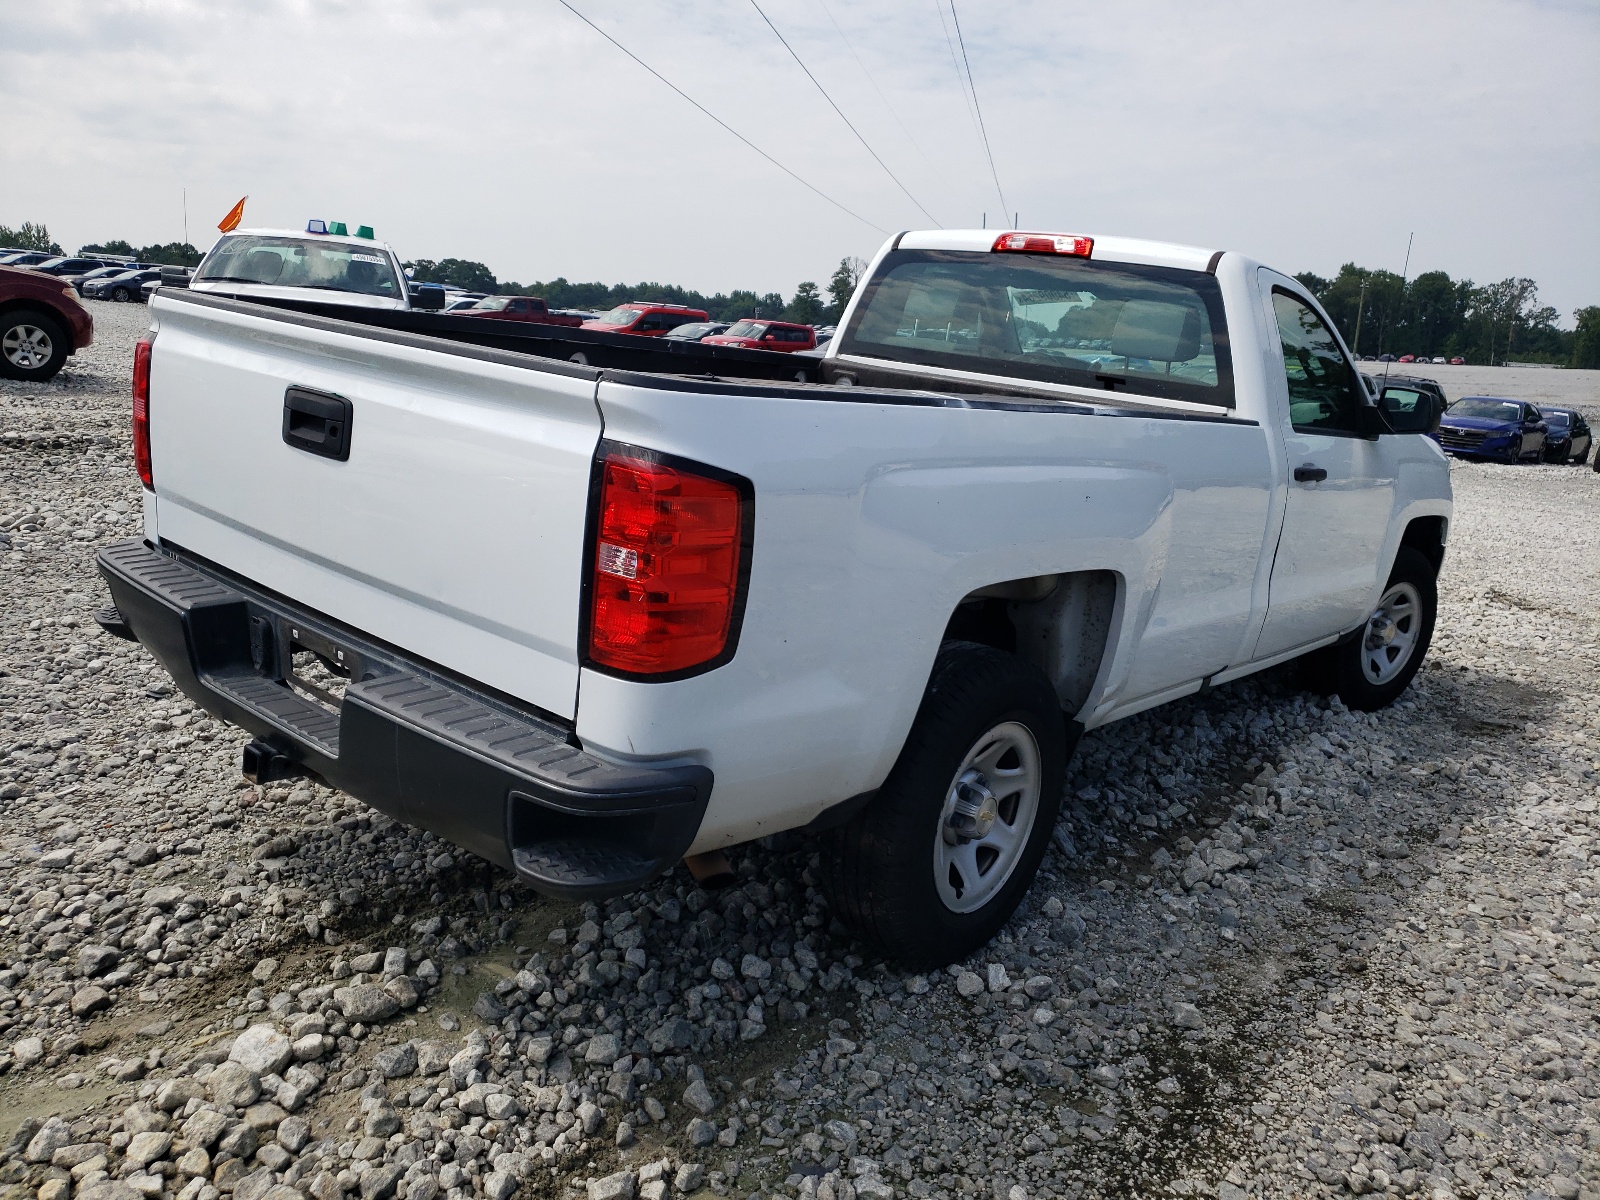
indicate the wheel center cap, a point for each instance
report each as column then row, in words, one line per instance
column 1381, row 631
column 972, row 809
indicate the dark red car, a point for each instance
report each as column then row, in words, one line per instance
column 782, row 336
column 42, row 323
column 517, row 308
column 646, row 319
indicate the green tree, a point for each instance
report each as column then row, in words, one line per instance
column 170, row 254
column 1586, row 339
column 806, row 307
column 30, row 237
column 457, row 272
column 846, row 276
column 115, row 246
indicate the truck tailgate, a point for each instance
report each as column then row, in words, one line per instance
column 454, row 528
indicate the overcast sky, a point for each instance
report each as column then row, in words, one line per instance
column 508, row 131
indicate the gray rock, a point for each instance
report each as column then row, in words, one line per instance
column 293, row 1134
column 614, row 1187
column 701, row 1132
column 52, row 1135
column 498, row 1185
column 380, row 1182
column 175, row 1093
column 145, row 1148
column 396, row 1062
column 688, row 1178
column 204, row 1128
column 968, row 984
column 234, row 1083
column 603, row 1048
column 365, row 1003
column 96, row 960
column 262, row 1050
column 89, row 1000
column 698, row 1097
column 433, row 1057
column 1187, row 1016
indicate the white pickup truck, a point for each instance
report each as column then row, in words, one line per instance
column 585, row 604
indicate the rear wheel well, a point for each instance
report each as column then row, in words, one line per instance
column 1426, row 535
column 1058, row 623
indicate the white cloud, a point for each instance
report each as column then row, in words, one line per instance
column 510, row 132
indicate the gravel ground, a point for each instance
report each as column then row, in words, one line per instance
column 1278, row 949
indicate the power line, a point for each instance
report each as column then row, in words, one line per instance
column 842, row 117
column 809, row 186
column 961, row 83
column 1004, row 207
column 893, row 112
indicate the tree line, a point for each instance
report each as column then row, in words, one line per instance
column 37, row 238
column 808, row 305
column 1378, row 312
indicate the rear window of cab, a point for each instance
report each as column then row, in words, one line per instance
column 1117, row 327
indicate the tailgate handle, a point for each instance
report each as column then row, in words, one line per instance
column 317, row 422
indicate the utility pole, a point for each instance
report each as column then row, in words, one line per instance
column 185, row 216
column 1361, row 305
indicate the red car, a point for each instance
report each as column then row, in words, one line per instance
column 1408, row 358
column 1458, row 361
column 782, row 336
column 645, row 319
column 42, row 323
column 517, row 308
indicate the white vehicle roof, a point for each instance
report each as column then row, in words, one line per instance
column 344, row 239
column 1106, row 249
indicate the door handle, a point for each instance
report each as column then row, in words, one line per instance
column 317, row 422
column 1309, row 474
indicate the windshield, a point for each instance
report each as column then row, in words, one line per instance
column 492, row 304
column 691, row 332
column 623, row 315
column 749, row 329
column 1154, row 331
column 1558, row 418
column 301, row 262
column 1489, row 410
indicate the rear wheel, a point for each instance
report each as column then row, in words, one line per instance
column 1369, row 670
column 33, row 346
column 120, row 295
column 935, row 865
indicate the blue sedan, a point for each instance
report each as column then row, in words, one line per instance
column 1493, row 427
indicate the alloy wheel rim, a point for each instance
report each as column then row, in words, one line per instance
column 988, row 815
column 27, row 347
column 1391, row 635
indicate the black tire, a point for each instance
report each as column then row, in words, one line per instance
column 1341, row 668
column 1514, row 451
column 120, row 295
column 1580, row 459
column 33, row 345
column 879, row 869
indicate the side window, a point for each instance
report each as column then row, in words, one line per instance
column 1324, row 391
column 653, row 321
column 519, row 306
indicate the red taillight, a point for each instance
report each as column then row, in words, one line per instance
column 1045, row 243
column 666, row 571
column 141, row 411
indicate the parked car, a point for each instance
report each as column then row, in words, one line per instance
column 1458, row 361
column 1569, row 439
column 77, row 281
column 170, row 277
column 121, row 287
column 42, row 324
column 696, row 331
column 1438, row 360
column 25, row 258
column 1386, row 358
column 646, row 319
column 517, row 308
column 63, row 265
column 881, row 612
column 351, row 270
column 1493, row 427
column 783, row 336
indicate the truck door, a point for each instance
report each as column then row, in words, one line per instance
column 1340, row 486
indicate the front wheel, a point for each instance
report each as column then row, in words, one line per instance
column 120, row 295
column 33, row 346
column 933, row 867
column 1371, row 668
column 1514, row 451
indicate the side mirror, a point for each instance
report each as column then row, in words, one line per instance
column 1411, row 412
column 428, row 296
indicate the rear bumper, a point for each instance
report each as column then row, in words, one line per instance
column 428, row 749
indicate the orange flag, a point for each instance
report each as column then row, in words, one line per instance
column 235, row 214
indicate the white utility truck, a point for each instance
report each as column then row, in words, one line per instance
column 585, row 604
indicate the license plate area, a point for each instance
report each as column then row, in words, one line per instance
column 315, row 667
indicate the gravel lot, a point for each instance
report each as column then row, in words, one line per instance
column 1279, row 949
